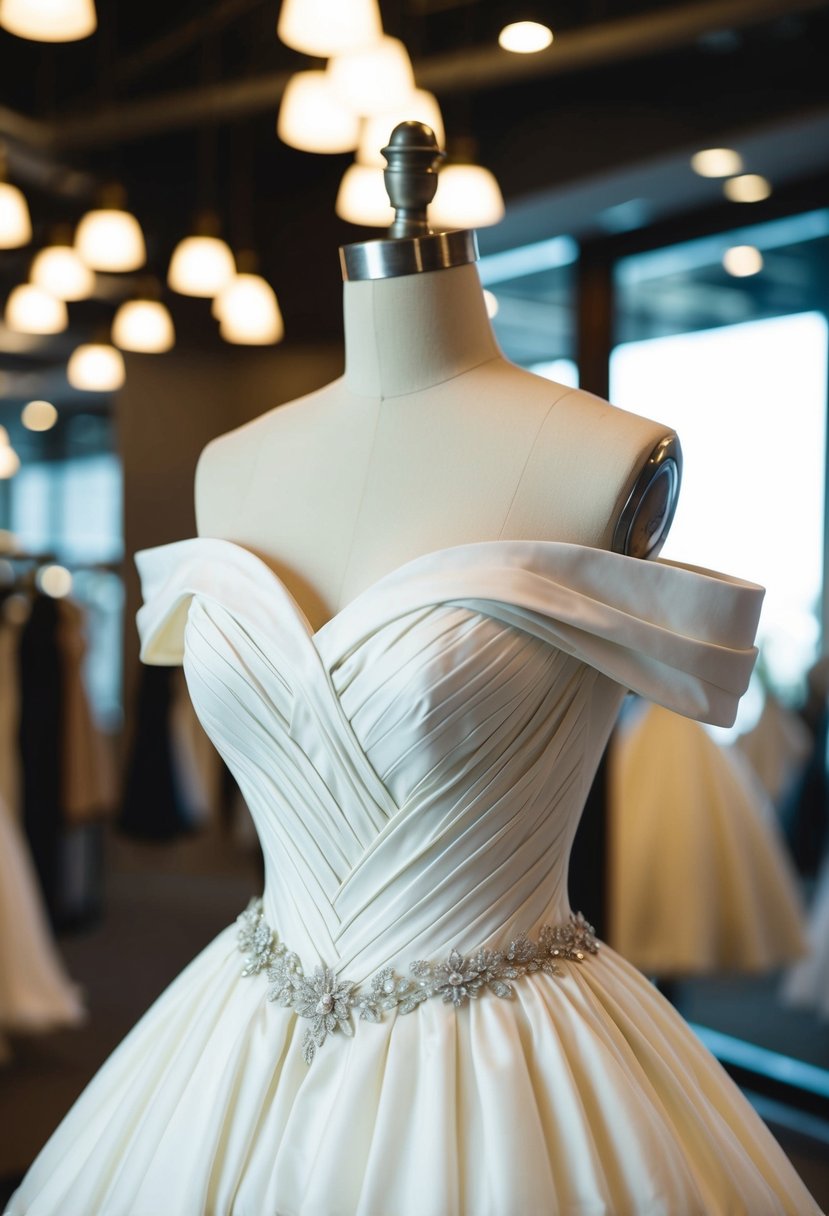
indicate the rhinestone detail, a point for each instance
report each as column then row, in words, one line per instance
column 330, row 1003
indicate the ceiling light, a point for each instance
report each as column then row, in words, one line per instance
column 329, row 27
column 15, row 223
column 201, row 266
column 742, row 261
column 716, row 162
column 49, row 20
column 4, row 437
column 525, row 37
column 373, row 78
column 39, row 416
column 748, row 188
column 111, row 239
column 144, row 326
column 96, row 368
column 248, row 312
column 54, row 581
column 468, row 196
column 492, row 305
column 61, row 271
column 9, row 462
column 31, row 310
column 419, row 106
column 362, row 197
column 313, row 118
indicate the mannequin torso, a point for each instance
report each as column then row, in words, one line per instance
column 431, row 439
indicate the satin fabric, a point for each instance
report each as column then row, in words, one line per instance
column 415, row 770
column 700, row 880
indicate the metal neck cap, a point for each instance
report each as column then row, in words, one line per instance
column 413, row 160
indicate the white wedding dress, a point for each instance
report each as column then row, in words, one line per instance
column 416, row 769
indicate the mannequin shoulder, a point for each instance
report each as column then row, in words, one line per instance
column 227, row 465
column 600, row 475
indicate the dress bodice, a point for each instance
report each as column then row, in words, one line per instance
column 416, row 768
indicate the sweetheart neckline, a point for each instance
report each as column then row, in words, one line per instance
column 449, row 552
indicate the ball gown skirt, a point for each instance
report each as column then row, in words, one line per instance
column 36, row 995
column 700, row 879
column 416, row 769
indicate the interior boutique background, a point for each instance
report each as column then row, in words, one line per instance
column 650, row 187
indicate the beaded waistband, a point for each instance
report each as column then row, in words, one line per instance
column 327, row 1000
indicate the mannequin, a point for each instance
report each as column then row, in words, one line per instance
column 431, row 439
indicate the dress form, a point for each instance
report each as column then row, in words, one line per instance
column 431, row 439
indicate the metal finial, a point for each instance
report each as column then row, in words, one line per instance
column 411, row 177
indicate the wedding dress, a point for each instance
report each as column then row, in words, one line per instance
column 416, row 769
column 700, row 879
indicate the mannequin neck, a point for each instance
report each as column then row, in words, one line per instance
column 410, row 333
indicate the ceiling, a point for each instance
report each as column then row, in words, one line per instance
column 178, row 102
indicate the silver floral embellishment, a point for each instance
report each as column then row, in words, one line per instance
column 255, row 937
column 386, row 992
column 327, row 1000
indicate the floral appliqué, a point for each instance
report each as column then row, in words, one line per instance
column 329, row 1002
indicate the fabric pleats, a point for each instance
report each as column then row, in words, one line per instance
column 415, row 771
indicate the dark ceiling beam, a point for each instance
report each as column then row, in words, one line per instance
column 472, row 68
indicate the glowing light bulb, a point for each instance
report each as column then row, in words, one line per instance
column 111, row 239
column 31, row 310
column 54, row 581
column 39, row 416
column 313, row 118
column 362, row 197
column 15, row 222
column 748, row 188
column 49, row 20
column 420, row 106
column 525, row 37
column 9, row 462
column 373, row 78
column 742, row 261
column 60, row 270
column 96, row 368
column 144, row 326
column 716, row 162
column 329, row 27
column 248, row 312
column 201, row 266
column 468, row 196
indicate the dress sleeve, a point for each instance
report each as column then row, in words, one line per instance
column 679, row 635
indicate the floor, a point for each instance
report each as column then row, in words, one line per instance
column 163, row 904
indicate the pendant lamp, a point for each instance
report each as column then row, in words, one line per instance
column 144, row 326
column 248, row 312
column 39, row 416
column 15, row 222
column 420, row 105
column 96, row 367
column 362, row 197
column 328, row 27
column 110, row 237
column 61, row 270
column 31, row 310
column 468, row 196
column 9, row 461
column 373, row 78
column 200, row 266
column 49, row 20
column 313, row 118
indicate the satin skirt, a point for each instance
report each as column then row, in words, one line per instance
column 585, row 1095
